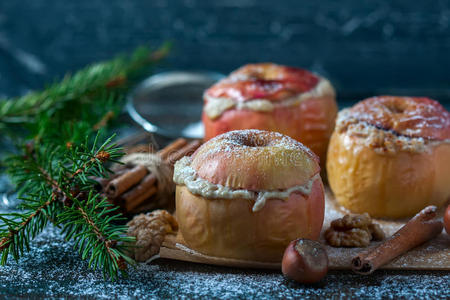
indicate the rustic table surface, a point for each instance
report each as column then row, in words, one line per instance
column 52, row 268
column 365, row 48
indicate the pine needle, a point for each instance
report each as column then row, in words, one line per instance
column 66, row 145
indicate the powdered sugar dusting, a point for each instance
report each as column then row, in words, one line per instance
column 53, row 269
column 216, row 106
column 249, row 138
column 434, row 254
column 263, row 80
column 184, row 174
column 405, row 116
column 381, row 140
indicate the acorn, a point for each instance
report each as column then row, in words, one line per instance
column 305, row 261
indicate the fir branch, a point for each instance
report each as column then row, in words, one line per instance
column 84, row 85
column 14, row 230
column 53, row 170
column 96, row 237
column 18, row 229
column 87, row 218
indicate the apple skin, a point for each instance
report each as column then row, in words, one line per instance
column 255, row 160
column 398, row 183
column 311, row 122
column 229, row 228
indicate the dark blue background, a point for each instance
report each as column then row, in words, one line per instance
column 364, row 47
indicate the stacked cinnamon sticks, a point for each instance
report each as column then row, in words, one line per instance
column 134, row 188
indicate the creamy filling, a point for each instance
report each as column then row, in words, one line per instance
column 382, row 141
column 184, row 174
column 216, row 106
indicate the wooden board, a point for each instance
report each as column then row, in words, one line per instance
column 433, row 255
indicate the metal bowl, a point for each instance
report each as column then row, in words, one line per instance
column 170, row 103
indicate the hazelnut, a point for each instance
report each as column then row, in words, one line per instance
column 447, row 219
column 305, row 261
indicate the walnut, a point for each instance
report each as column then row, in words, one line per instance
column 354, row 237
column 377, row 232
column 149, row 230
column 353, row 231
column 352, row 221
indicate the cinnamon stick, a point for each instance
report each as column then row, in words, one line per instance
column 103, row 182
column 135, row 186
column 122, row 183
column 186, row 150
column 172, row 147
column 421, row 228
column 130, row 205
column 134, row 197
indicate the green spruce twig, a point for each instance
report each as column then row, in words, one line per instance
column 83, row 86
column 53, row 169
column 17, row 229
column 68, row 198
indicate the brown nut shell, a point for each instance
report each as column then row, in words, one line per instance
column 305, row 261
column 447, row 219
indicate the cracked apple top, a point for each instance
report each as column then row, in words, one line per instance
column 414, row 117
column 264, row 81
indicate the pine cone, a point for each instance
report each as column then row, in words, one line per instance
column 149, row 230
